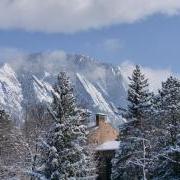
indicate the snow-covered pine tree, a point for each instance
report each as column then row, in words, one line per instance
column 132, row 158
column 168, row 123
column 139, row 97
column 65, row 153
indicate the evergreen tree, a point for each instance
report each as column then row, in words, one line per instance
column 168, row 123
column 139, row 97
column 6, row 127
column 35, row 126
column 132, row 158
column 14, row 154
column 65, row 153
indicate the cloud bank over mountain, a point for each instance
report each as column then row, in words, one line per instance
column 78, row 15
column 16, row 58
column 155, row 76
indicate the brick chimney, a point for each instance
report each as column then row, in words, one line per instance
column 100, row 117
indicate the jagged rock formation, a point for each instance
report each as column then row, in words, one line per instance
column 98, row 86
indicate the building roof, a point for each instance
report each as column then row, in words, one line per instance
column 102, row 114
column 109, row 145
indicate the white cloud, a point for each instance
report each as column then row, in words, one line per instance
column 47, row 60
column 155, row 76
column 76, row 15
column 7, row 53
column 112, row 45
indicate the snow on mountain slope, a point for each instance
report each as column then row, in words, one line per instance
column 10, row 92
column 96, row 96
column 98, row 87
column 42, row 90
column 99, row 102
column 43, row 93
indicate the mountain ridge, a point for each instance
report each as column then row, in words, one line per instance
column 35, row 75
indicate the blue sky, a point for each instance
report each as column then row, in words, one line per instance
column 151, row 39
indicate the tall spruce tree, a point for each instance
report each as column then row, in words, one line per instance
column 132, row 158
column 139, row 96
column 168, row 122
column 65, row 153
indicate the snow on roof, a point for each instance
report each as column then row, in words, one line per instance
column 109, row 145
column 102, row 114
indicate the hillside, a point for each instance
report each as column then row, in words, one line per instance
column 99, row 87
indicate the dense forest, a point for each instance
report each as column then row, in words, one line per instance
column 53, row 144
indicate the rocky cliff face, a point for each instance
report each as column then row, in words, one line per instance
column 98, row 86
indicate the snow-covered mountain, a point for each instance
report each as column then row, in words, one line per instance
column 11, row 96
column 98, row 86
